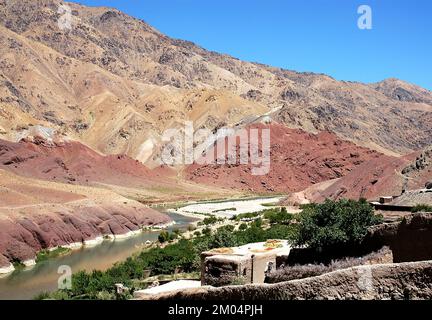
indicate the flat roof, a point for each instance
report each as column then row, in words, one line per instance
column 278, row 247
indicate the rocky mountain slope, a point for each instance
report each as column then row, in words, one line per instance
column 116, row 83
column 382, row 176
column 62, row 193
column 36, row 215
column 297, row 160
column 79, row 106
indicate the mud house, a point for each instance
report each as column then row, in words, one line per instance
column 241, row 265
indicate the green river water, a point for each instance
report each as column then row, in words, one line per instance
column 25, row 284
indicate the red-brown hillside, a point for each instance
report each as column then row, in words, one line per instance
column 73, row 162
column 382, row 176
column 298, row 160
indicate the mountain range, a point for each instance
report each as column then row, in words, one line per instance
column 83, row 111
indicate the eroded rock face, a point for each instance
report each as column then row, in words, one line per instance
column 297, row 160
column 22, row 237
column 73, row 163
column 4, row 262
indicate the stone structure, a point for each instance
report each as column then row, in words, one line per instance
column 411, row 280
column 241, row 265
column 385, row 200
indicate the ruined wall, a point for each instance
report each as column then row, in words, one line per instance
column 411, row 280
column 259, row 264
column 221, row 271
column 413, row 240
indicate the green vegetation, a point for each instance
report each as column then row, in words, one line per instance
column 276, row 216
column 209, row 221
column 335, row 223
column 47, row 254
column 165, row 236
column 18, row 265
column 183, row 256
column 272, row 204
column 238, row 281
column 197, row 233
column 422, row 208
column 243, row 226
column 249, row 215
column 226, row 209
column 207, row 231
column 318, row 226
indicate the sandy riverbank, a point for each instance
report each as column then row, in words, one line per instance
column 225, row 209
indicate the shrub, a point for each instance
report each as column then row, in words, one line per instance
column 251, row 215
column 335, row 223
column 210, row 220
column 228, row 228
column 276, row 216
column 238, row 281
column 206, row 231
column 422, row 208
column 258, row 223
column 42, row 296
column 243, row 226
column 163, row 237
column 312, row 270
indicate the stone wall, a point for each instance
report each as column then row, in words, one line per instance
column 219, row 270
column 412, row 280
column 409, row 239
column 413, row 240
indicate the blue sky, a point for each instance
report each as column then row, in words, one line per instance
column 315, row 35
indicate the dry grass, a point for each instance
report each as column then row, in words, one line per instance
column 311, row 270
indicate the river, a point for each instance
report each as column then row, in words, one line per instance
column 25, row 284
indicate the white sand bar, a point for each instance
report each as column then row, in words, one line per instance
column 226, row 209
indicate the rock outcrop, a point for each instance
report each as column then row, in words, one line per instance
column 36, row 214
column 22, row 236
column 382, row 176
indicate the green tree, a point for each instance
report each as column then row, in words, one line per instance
column 163, row 237
column 243, row 227
column 335, row 223
column 206, row 231
column 224, row 237
column 276, row 216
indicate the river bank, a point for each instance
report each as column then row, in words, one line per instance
column 25, row 283
column 101, row 254
column 225, row 209
column 90, row 243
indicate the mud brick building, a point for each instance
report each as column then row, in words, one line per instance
column 241, row 265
